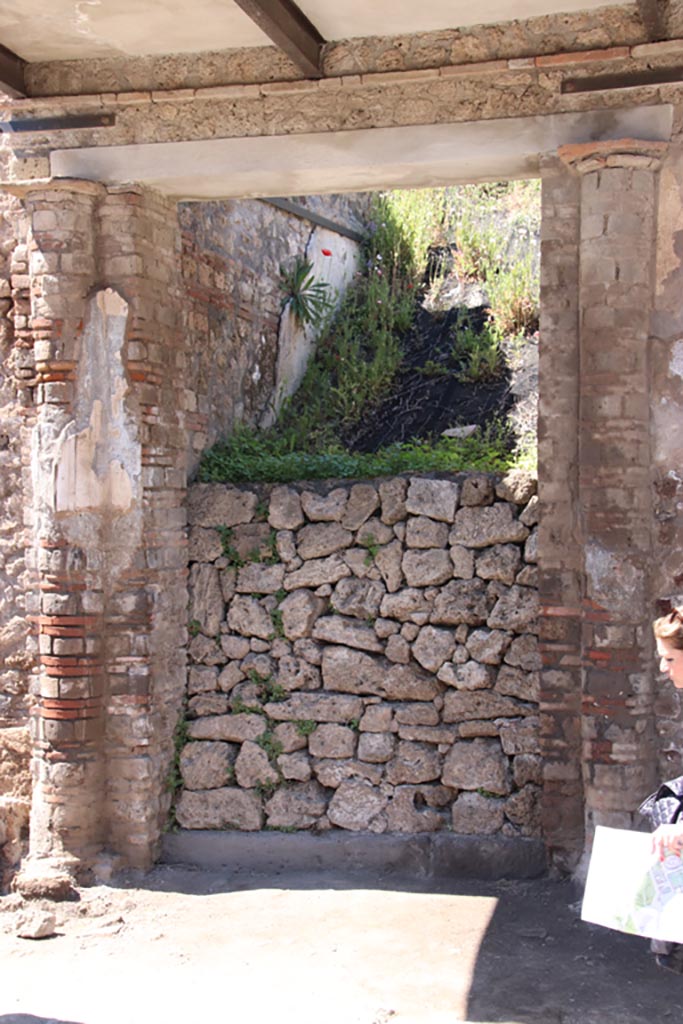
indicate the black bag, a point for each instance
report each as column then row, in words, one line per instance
column 665, row 807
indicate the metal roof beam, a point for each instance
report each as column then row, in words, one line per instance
column 12, row 76
column 290, row 29
column 654, row 15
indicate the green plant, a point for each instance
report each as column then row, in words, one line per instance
column 266, row 788
column 238, row 707
column 477, row 354
column 272, row 746
column 305, row 726
column 174, row 778
column 278, row 626
column 229, row 550
column 309, row 300
column 515, row 299
column 261, row 510
column 433, row 369
column 194, row 627
column 487, row 794
column 354, row 723
column 371, row 545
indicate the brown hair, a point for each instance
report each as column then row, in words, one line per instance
column 670, row 628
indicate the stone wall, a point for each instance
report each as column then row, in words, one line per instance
column 363, row 656
column 242, row 352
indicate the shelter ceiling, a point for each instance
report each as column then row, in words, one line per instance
column 54, row 30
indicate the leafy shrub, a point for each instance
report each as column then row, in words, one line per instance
column 309, row 300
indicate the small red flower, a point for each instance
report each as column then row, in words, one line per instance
column 326, row 252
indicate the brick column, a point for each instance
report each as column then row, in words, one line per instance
column 560, row 550
column 618, row 182
column 109, row 554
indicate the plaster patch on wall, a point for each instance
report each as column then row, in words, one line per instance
column 676, row 361
column 612, row 581
column 97, row 459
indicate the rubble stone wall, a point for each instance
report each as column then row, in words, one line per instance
column 363, row 656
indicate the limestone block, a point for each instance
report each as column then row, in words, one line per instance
column 463, row 562
column 442, row 735
column 409, row 631
column 523, row 653
column 228, row 581
column 482, row 527
column 231, row 728
column 427, row 568
column 358, row 598
column 206, row 765
column 336, row 629
column 408, row 682
column 376, row 747
column 321, row 539
column 377, row 718
column 299, row 805
column 206, row 598
column 477, row 490
column 474, row 814
column 202, row 679
column 257, row 578
column 437, row 499
column 524, row 810
column 229, row 807
column 416, row 714
column 252, row 767
column 514, row 682
column 234, row 647
column 248, row 617
column 374, row 531
column 218, row 505
column 388, row 560
column 290, row 738
column 355, row 805
column 309, row 651
column 318, row 707
column 332, row 741
column 297, row 674
column 488, row 645
column 295, row 767
column 477, row 764
column 528, row 576
column 531, row 547
column 35, row 923
column 471, row 675
column 527, row 768
column 331, row 773
column 518, row 486
column 433, row 647
column 316, row 572
column 530, row 514
column 208, row 704
column 363, row 500
column 203, row 545
column 403, row 815
column 284, row 510
column 520, row 737
column 461, row 706
column 403, row 605
column 468, row 730
column 392, row 495
column 422, row 532
column 324, row 508
column 258, row 662
column 460, row 601
column 398, row 650
column 299, row 611
column 230, row 676
column 203, row 649
column 252, row 541
column 499, row 562
column 361, row 563
column 285, row 545
column 413, row 762
column 517, row 610
column 352, row 671
column 245, row 694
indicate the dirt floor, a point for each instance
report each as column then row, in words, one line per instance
column 185, row 945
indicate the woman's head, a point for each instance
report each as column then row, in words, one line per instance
column 669, row 636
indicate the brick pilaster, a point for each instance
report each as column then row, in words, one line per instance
column 618, row 182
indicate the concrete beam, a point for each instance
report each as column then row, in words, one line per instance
column 411, row 157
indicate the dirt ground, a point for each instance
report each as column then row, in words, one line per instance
column 182, row 944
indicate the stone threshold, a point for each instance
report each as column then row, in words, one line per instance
column 428, row 858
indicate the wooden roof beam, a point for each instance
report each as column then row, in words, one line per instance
column 290, row 30
column 12, row 73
